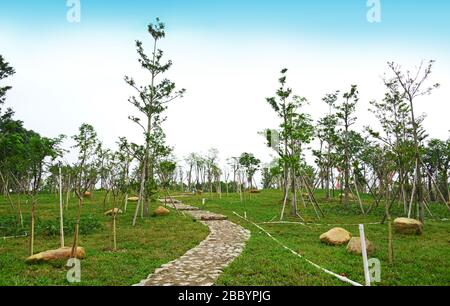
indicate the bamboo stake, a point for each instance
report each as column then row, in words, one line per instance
column 114, row 232
column 364, row 254
column 61, row 221
column 357, row 194
column 126, row 202
column 413, row 191
column 33, row 207
column 68, row 193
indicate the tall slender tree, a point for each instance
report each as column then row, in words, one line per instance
column 86, row 142
column 412, row 85
column 151, row 101
column 345, row 112
column 296, row 130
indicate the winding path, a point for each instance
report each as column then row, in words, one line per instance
column 202, row 265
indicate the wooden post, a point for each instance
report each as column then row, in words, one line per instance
column 61, row 220
column 364, row 254
column 126, row 202
column 114, row 231
column 68, row 193
column 412, row 195
column 357, row 194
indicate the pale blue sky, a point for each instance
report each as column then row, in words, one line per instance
column 403, row 20
column 226, row 53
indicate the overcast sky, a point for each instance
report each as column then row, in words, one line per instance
column 227, row 54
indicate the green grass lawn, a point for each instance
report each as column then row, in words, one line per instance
column 419, row 260
column 143, row 249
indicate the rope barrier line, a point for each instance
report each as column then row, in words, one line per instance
column 14, row 237
column 286, row 222
column 440, row 220
column 316, row 224
column 340, row 277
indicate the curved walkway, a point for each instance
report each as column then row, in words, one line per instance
column 202, row 265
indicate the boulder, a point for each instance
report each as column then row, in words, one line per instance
column 62, row 253
column 115, row 211
column 88, row 194
column 408, row 226
column 336, row 236
column 354, row 246
column 133, row 199
column 162, row 211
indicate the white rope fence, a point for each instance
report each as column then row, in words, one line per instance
column 14, row 237
column 340, row 277
column 316, row 224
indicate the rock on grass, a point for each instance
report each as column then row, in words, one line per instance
column 354, row 246
column 336, row 236
column 62, row 253
column 161, row 211
column 408, row 226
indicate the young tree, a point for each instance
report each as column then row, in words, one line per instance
column 345, row 114
column 272, row 174
column 38, row 149
column 437, row 161
column 327, row 134
column 5, row 71
column 151, row 101
column 412, row 86
column 190, row 161
column 212, row 168
column 87, row 144
column 296, row 130
column 250, row 164
column 125, row 158
column 393, row 115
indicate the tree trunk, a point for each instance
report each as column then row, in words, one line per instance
column 33, row 210
column 294, row 196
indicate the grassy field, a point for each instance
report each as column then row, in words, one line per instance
column 419, row 260
column 143, row 249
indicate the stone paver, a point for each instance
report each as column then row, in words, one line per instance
column 203, row 265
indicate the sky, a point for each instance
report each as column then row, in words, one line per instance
column 227, row 54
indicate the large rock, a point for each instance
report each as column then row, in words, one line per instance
column 408, row 226
column 88, row 194
column 162, row 211
column 336, row 236
column 62, row 253
column 133, row 199
column 115, row 211
column 354, row 246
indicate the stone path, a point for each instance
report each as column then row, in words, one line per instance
column 202, row 265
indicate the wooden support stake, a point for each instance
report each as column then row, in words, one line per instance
column 364, row 254
column 61, row 221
